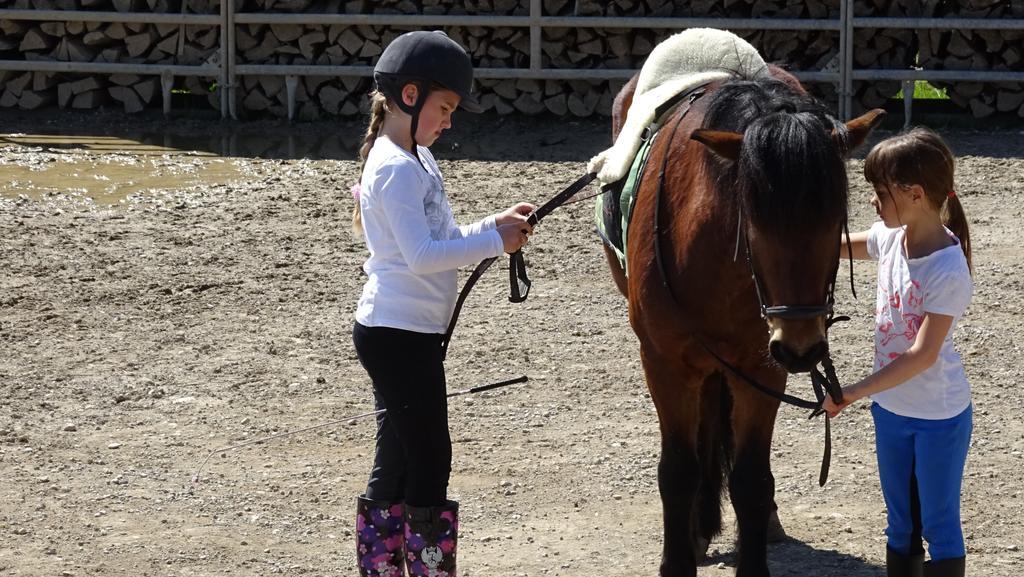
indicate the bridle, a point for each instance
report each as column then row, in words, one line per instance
column 796, row 311
column 822, row 381
column 828, row 380
column 791, row 311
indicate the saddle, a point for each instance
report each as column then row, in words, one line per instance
column 614, row 206
column 676, row 67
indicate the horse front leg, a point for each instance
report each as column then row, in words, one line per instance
column 678, row 482
column 751, row 484
column 676, row 396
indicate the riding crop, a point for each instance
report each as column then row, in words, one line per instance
column 469, row 391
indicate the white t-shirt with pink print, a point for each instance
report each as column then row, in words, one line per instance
column 908, row 288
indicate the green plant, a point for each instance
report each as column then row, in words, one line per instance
column 925, row 91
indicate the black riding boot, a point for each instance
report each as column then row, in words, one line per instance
column 946, row 568
column 431, row 536
column 897, row 565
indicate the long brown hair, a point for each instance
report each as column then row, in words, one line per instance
column 921, row 157
column 377, row 111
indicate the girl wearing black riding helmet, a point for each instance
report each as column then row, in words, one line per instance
column 405, row 518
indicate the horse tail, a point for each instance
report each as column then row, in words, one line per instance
column 716, row 453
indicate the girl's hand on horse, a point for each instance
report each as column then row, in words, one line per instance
column 514, row 235
column 515, row 214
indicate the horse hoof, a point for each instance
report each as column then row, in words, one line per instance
column 776, row 533
column 700, row 549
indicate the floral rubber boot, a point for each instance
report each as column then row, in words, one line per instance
column 380, row 538
column 431, row 536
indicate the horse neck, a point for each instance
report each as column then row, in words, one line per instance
column 704, row 240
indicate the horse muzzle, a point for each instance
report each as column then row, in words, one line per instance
column 798, row 345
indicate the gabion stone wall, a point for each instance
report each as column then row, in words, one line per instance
column 490, row 47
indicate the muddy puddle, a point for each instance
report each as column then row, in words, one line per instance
column 106, row 169
column 111, row 169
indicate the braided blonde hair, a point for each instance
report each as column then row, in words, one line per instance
column 377, row 111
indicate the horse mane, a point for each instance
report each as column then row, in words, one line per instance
column 791, row 167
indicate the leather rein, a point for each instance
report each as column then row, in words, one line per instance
column 519, row 282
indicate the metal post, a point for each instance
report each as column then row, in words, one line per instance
column 166, row 84
column 841, row 61
column 181, row 30
column 536, row 11
column 223, row 60
column 291, row 82
column 232, row 46
column 848, row 43
column 908, row 102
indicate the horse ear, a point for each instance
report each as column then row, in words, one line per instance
column 722, row 143
column 859, row 128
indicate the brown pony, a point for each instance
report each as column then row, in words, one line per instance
column 755, row 164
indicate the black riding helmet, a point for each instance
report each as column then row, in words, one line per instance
column 424, row 58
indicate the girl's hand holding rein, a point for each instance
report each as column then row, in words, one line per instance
column 512, row 226
column 514, row 235
column 516, row 213
column 833, row 409
column 923, row 353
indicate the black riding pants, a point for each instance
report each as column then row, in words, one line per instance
column 414, row 450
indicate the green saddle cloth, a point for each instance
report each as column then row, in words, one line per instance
column 614, row 206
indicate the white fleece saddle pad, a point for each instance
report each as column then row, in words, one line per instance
column 682, row 61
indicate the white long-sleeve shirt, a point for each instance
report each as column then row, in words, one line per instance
column 415, row 245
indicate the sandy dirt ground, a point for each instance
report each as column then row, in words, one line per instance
column 214, row 306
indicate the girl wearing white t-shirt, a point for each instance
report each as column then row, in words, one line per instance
column 921, row 396
column 404, row 518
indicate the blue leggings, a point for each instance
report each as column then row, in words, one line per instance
column 921, row 465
